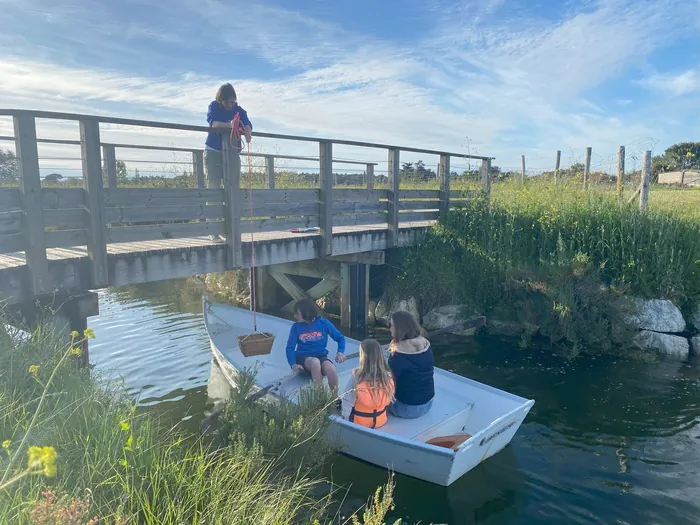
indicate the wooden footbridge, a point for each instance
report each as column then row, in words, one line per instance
column 64, row 241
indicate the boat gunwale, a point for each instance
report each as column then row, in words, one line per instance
column 525, row 405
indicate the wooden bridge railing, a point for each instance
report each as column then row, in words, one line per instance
column 34, row 219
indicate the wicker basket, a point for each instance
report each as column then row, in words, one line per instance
column 258, row 343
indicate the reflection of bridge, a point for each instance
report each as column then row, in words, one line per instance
column 66, row 240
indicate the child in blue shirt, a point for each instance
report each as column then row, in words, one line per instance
column 306, row 346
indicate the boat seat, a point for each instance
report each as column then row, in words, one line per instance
column 445, row 407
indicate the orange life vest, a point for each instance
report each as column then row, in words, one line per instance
column 368, row 412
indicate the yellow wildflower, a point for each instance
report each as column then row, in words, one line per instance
column 74, row 334
column 34, row 370
column 125, row 425
column 89, row 333
column 76, row 351
column 42, row 460
column 6, row 444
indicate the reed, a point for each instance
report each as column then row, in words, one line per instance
column 111, row 462
column 554, row 256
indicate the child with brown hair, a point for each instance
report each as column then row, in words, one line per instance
column 306, row 345
column 370, row 389
column 411, row 364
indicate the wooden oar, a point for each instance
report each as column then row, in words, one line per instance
column 472, row 322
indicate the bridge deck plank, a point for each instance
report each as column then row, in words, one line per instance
column 12, row 260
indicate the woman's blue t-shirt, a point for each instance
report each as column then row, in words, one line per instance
column 216, row 113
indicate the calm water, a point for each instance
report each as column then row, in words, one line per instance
column 608, row 441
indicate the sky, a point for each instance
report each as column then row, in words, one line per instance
column 501, row 78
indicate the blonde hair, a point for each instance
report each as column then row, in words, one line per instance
column 374, row 369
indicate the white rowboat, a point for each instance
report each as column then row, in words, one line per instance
column 489, row 415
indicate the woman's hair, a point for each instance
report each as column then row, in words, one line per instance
column 374, row 369
column 405, row 326
column 307, row 309
column 224, row 93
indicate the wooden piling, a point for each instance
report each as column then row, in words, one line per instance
column 620, row 171
column 646, row 177
column 587, row 168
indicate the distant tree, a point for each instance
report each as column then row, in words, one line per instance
column 407, row 167
column 122, row 173
column 681, row 157
column 9, row 170
column 53, row 177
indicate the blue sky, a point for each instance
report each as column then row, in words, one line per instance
column 497, row 77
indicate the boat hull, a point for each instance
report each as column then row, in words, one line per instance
column 432, row 464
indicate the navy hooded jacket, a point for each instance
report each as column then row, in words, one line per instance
column 411, row 363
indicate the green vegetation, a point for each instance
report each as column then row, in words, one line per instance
column 555, row 257
column 76, row 451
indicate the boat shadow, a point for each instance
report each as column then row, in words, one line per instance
column 492, row 492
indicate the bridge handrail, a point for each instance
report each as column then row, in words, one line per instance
column 34, row 219
column 206, row 129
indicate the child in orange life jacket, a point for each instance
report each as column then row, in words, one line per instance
column 370, row 388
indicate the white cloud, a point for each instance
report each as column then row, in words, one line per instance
column 514, row 84
column 675, row 84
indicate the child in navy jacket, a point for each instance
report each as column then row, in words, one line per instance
column 306, row 346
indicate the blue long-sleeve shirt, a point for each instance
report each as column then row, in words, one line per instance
column 309, row 339
column 217, row 113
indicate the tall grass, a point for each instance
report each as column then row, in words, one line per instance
column 121, row 466
column 553, row 256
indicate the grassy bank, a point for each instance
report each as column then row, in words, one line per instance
column 555, row 257
column 75, row 450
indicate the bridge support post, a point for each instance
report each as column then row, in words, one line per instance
column 393, row 201
column 265, row 290
column 444, row 174
column 232, row 190
column 354, row 298
column 62, row 314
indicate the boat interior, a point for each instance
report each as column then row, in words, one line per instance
column 461, row 407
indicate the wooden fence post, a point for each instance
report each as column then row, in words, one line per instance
column 232, row 201
column 110, row 163
column 620, row 171
column 522, row 160
column 326, row 196
column 646, row 176
column 587, row 168
column 370, row 176
column 32, row 208
column 92, row 180
column 198, row 167
column 270, row 171
column 486, row 178
column 557, row 165
column 392, row 239
column 444, row 174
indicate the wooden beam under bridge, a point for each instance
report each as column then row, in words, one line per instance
column 349, row 272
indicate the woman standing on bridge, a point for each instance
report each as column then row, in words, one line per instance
column 220, row 115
